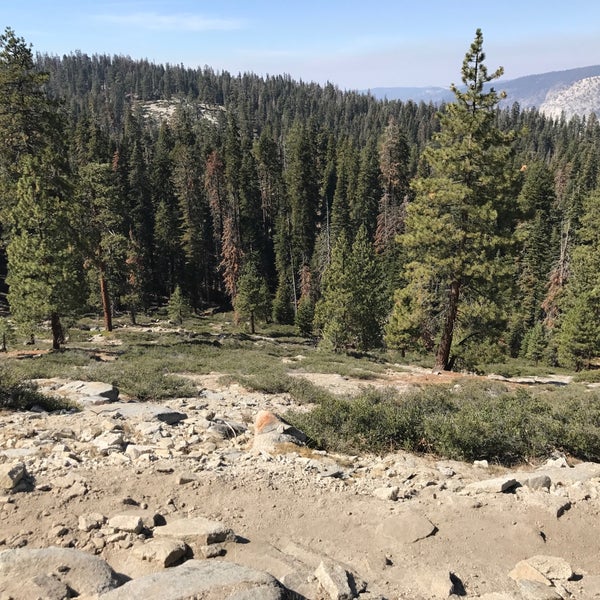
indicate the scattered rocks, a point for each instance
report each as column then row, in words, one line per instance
column 205, row 451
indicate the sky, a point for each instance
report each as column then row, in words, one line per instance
column 353, row 44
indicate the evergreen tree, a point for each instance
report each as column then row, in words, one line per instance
column 331, row 311
column 368, row 303
column 28, row 119
column 100, row 231
column 45, row 267
column 458, row 226
column 178, row 307
column 535, row 235
column 252, row 300
column 352, row 307
column 579, row 336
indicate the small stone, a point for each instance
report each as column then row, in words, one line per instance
column 58, row 531
column 212, row 551
column 387, row 493
column 183, row 478
column 481, row 464
column 91, row 521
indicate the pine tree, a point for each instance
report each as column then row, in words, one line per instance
column 45, row 267
column 537, row 253
column 352, row 307
column 459, row 223
column 368, row 308
column 100, row 230
column 331, row 311
column 178, row 307
column 579, row 336
column 252, row 300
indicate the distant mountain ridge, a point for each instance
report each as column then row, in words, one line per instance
column 572, row 92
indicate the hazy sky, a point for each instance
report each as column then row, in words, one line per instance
column 353, row 44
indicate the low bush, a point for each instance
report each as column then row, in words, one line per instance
column 462, row 422
column 18, row 395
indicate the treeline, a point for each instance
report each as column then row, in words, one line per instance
column 298, row 203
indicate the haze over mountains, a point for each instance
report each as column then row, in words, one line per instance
column 572, row 92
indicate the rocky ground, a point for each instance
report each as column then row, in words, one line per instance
column 211, row 497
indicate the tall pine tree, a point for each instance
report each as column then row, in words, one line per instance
column 457, row 226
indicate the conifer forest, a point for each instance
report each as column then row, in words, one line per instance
column 468, row 231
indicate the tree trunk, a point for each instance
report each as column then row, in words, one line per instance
column 443, row 352
column 58, row 335
column 252, row 330
column 106, row 309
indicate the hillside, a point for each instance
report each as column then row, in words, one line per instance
column 574, row 91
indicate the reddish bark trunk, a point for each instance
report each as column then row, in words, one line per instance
column 442, row 357
column 105, row 302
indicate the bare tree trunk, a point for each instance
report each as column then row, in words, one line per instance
column 443, row 353
column 252, row 329
column 58, row 335
column 106, row 309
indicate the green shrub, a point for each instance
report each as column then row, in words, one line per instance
column 462, row 422
column 20, row 395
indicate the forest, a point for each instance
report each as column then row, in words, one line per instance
column 467, row 231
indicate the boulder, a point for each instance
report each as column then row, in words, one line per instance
column 31, row 573
column 544, row 569
column 165, row 552
column 127, row 523
column 11, row 475
column 498, row 485
column 91, row 521
column 534, row 590
column 334, row 579
column 217, row 580
column 270, row 431
column 195, row 532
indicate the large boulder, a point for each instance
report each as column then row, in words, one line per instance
column 47, row 572
column 208, row 579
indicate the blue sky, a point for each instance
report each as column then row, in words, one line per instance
column 353, row 44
